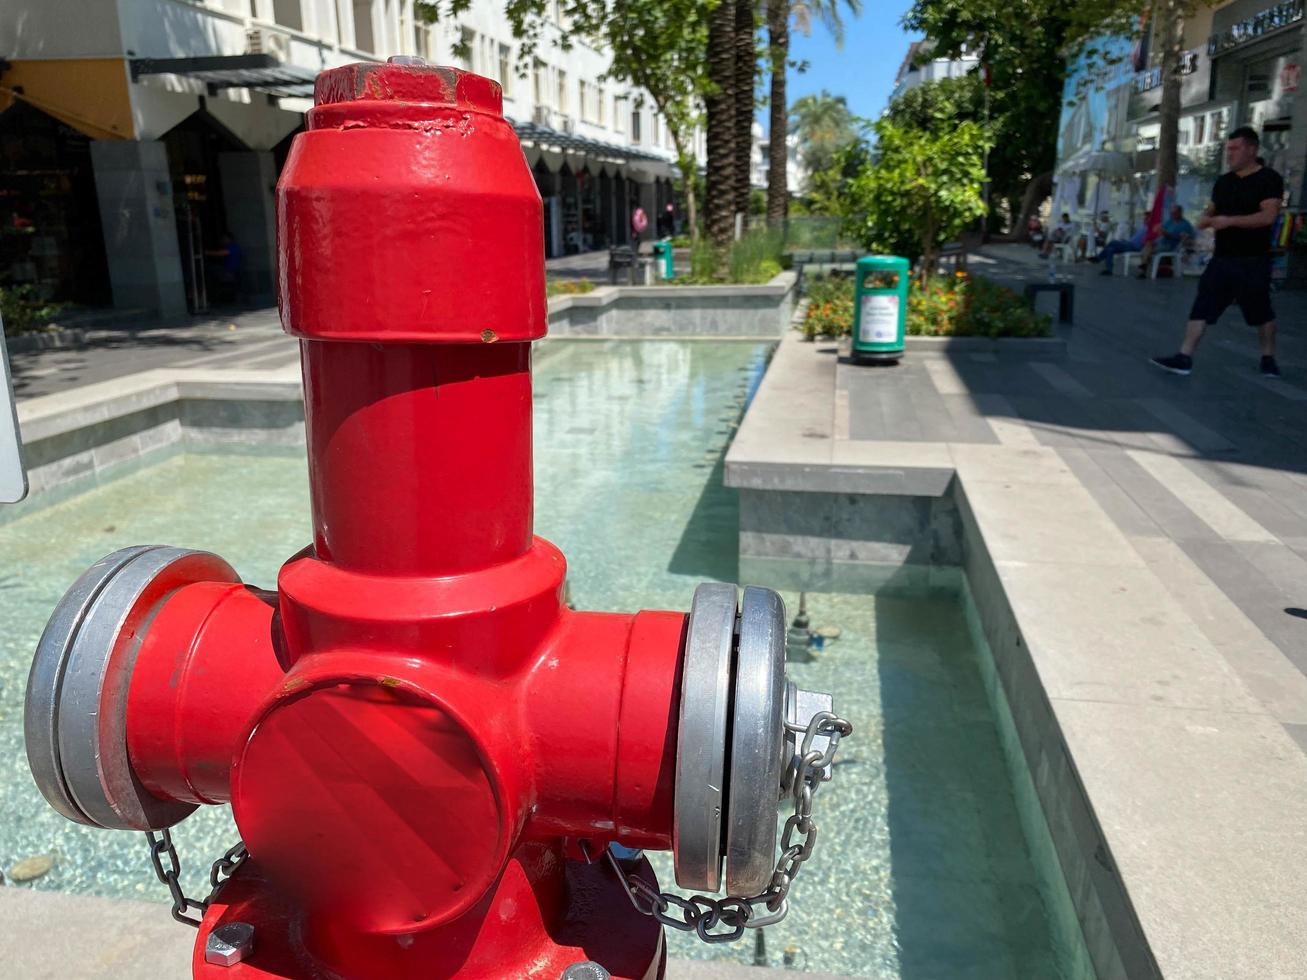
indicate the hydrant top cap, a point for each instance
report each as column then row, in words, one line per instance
column 413, row 84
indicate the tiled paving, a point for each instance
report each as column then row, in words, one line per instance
column 230, row 340
column 1215, row 464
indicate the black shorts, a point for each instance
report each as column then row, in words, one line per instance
column 1245, row 280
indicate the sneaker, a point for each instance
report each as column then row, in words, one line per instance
column 1269, row 368
column 1176, row 363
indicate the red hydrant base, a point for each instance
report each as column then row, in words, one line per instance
column 509, row 941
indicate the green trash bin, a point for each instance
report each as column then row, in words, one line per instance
column 880, row 308
column 663, row 250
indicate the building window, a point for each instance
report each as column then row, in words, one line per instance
column 506, row 69
column 1200, row 130
column 635, row 125
column 287, row 13
column 363, row 37
column 467, row 49
column 538, row 82
column 619, row 113
column 562, row 91
column 603, row 107
column 592, row 103
column 1217, row 124
column 423, row 45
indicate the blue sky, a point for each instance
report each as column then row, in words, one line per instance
column 863, row 70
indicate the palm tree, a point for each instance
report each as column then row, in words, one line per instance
column 779, row 13
column 824, row 126
column 746, row 73
column 720, row 119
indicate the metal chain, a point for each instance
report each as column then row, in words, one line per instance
column 161, row 846
column 699, row 913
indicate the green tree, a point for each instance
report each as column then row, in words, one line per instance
column 1022, row 49
column 779, row 14
column 824, row 126
column 656, row 45
column 827, row 189
column 924, row 188
column 1025, row 47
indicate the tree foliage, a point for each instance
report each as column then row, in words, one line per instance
column 826, row 192
column 779, row 13
column 824, row 126
column 1023, row 48
column 924, row 188
column 656, row 45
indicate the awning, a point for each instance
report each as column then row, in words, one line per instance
column 1105, row 163
column 89, row 94
column 262, row 72
column 545, row 138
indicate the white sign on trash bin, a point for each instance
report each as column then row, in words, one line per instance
column 13, row 478
column 879, row 322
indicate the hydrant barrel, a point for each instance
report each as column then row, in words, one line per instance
column 420, row 455
column 409, row 231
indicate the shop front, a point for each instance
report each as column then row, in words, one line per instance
column 1256, row 52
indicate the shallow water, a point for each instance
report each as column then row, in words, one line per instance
column 921, row 870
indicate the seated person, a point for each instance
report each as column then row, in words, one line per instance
column 1062, row 232
column 1176, row 232
column 1119, row 246
column 1035, row 230
column 1102, row 230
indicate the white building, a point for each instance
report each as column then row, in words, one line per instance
column 795, row 172
column 918, row 68
column 137, row 132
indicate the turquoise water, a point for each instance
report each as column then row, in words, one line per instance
column 921, row 871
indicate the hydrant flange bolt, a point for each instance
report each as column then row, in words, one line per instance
column 229, row 944
column 586, row 970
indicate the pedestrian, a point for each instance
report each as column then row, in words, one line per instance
column 230, row 258
column 639, row 222
column 667, row 222
column 1245, row 203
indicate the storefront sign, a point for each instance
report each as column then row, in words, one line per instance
column 1259, row 25
column 1290, row 76
column 1146, row 81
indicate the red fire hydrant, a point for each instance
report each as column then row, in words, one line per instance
column 436, row 767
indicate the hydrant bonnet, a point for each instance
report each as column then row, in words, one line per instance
column 398, row 163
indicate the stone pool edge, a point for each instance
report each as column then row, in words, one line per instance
column 1144, row 745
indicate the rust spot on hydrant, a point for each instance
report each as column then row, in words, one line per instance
column 390, row 682
column 488, row 336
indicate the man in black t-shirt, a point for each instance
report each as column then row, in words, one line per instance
column 1245, row 203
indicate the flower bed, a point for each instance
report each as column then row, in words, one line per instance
column 947, row 306
column 568, row 287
